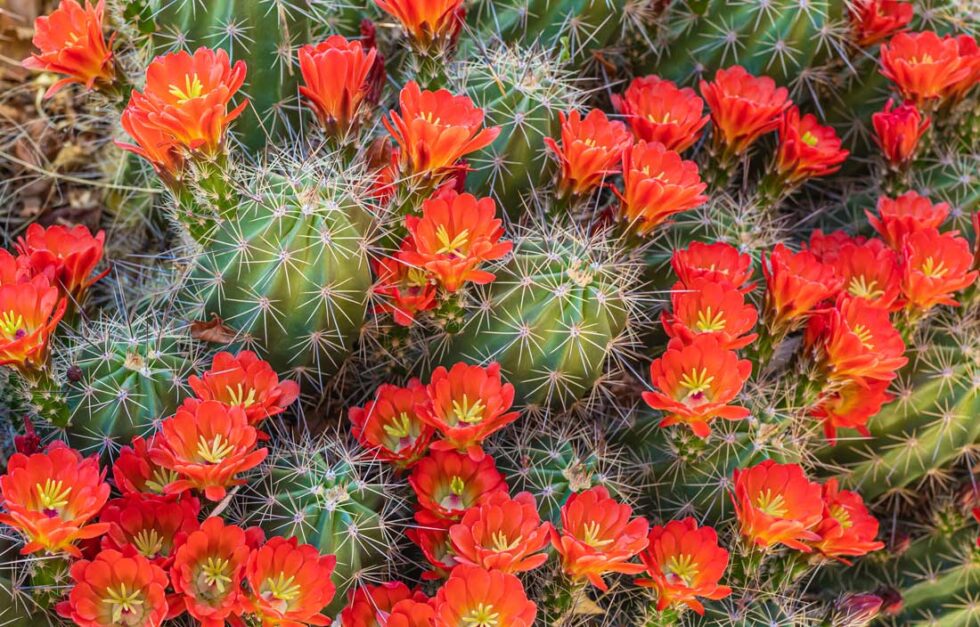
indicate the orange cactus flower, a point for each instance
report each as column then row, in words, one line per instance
column 71, row 42
column 898, row 131
column 186, row 98
column 743, row 107
column 49, row 498
column 207, row 443
column 406, row 290
column 390, row 426
column 466, row 405
column 68, row 256
column 448, row 483
column 777, row 504
column 806, row 148
column 478, row 597
column 795, row 284
column 923, row 66
column 289, row 583
column 29, row 313
column 657, row 184
column 718, row 262
column 411, row 613
column 116, row 589
column 208, row 568
column 874, row 21
column 591, row 150
column 135, row 472
column 657, row 111
column 684, row 562
column 695, row 382
column 245, row 381
column 150, row 525
column 455, row 234
column 847, row 528
column 337, row 75
column 370, row 606
column 598, row 535
column 435, row 129
column 158, row 147
column 936, row 266
column 502, row 533
column 870, row 271
column 427, row 21
column 705, row 307
column 431, row 535
column 855, row 341
column 909, row 213
column 851, row 406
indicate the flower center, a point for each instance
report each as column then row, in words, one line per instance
column 862, row 288
column 149, row 542
column 52, row 496
column 238, row 396
column 771, row 504
column 681, row 568
column 864, row 334
column 589, row 141
column 932, row 269
column 809, row 139
column 400, row 428
column 696, row 382
column 122, row 601
column 452, row 246
column 457, row 485
column 160, row 479
column 427, row 116
column 926, row 58
column 215, row 450
column 501, row 543
column 193, row 88
column 282, row 588
column 842, row 516
column 664, row 120
column 482, row 616
column 592, row 535
column 464, row 412
column 12, row 325
column 215, row 572
column 416, row 277
column 709, row 322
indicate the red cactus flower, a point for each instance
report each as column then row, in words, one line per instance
column 743, row 107
column 427, row 21
column 336, row 74
column 876, row 20
column 466, row 405
column 898, row 131
column 478, row 597
column 289, row 583
column 370, row 606
column 657, row 111
column 900, row 217
column 411, row 613
column 502, row 533
column 159, row 147
column 390, row 427
column 135, row 472
column 705, row 307
column 406, row 290
column 795, row 284
column 936, row 266
column 455, row 234
column 207, row 443
column 806, row 148
column 777, row 504
column 657, row 184
column 855, row 341
column 67, row 255
column 448, row 483
column 187, row 98
column 14, row 269
column 435, row 129
column 116, row 589
column 695, row 382
column 71, row 43
column 718, row 262
column 970, row 57
column 851, row 406
column 431, row 535
column 923, row 66
column 847, row 528
column 598, row 535
column 827, row 246
column 684, row 562
column 28, row 442
column 151, row 525
column 590, row 150
column 208, row 568
column 870, row 271
column 29, row 313
column 245, row 381
column 49, row 497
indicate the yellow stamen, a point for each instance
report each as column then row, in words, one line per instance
column 840, row 515
column 592, row 535
column 215, row 450
column 160, row 479
column 862, row 288
column 427, row 116
column 932, row 269
column 664, row 120
column 238, row 396
column 122, row 601
column 864, row 334
column 771, row 504
column 697, row 382
column 149, row 542
column 590, row 142
column 193, row 88
column 416, row 277
column 283, row 588
column 682, row 567
column 501, row 543
column 52, row 495
column 457, row 485
column 452, row 246
column 809, row 139
column 10, row 323
column 708, row 322
column 399, row 427
column 464, row 412
column 215, row 572
column 482, row 616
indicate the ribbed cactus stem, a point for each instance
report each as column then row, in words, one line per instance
column 49, row 578
column 47, row 398
column 662, row 618
column 562, row 598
